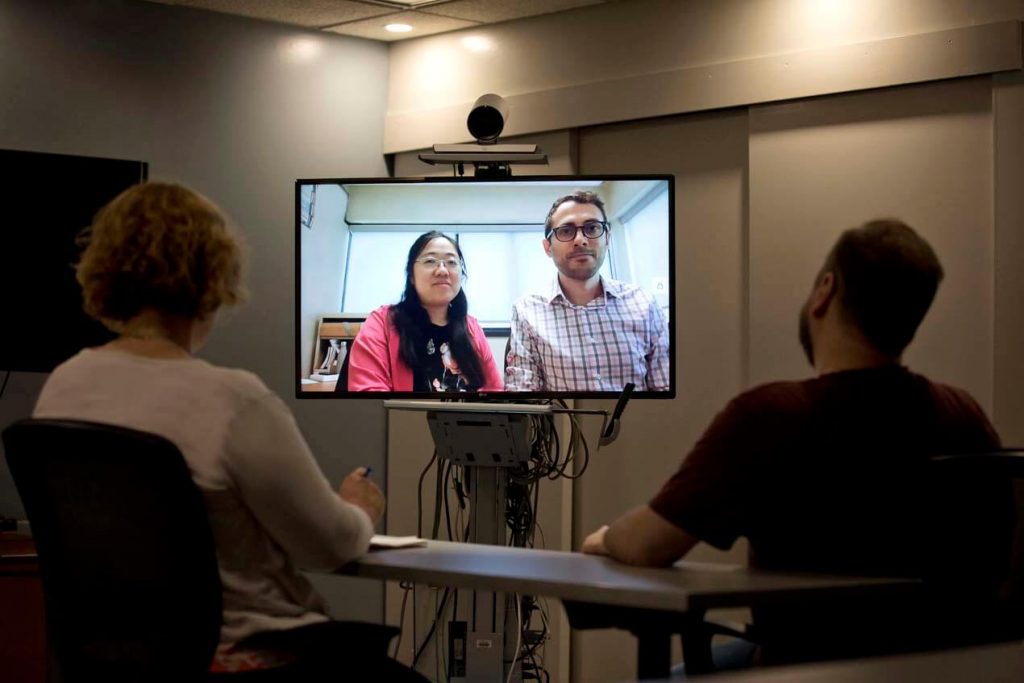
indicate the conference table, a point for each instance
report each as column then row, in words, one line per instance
column 652, row 603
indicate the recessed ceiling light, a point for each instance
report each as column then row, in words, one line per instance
column 398, row 28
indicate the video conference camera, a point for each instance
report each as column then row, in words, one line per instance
column 490, row 159
column 487, row 118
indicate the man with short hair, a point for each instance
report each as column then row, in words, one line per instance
column 829, row 474
column 587, row 332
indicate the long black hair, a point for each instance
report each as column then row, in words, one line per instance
column 411, row 320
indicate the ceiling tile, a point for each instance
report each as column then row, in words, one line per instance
column 491, row 11
column 309, row 13
column 423, row 25
column 363, row 18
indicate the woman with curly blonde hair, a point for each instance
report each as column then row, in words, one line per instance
column 160, row 262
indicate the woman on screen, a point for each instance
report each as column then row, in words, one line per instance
column 426, row 342
column 159, row 264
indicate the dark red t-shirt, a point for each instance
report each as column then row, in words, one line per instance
column 815, row 473
column 828, row 474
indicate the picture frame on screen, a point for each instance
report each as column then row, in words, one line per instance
column 512, row 288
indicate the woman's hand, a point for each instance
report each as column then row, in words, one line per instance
column 594, row 543
column 357, row 489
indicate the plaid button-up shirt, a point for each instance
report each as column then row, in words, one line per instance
column 619, row 337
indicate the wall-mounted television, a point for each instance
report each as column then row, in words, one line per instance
column 48, row 200
column 504, row 303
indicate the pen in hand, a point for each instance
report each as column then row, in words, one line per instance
column 358, row 489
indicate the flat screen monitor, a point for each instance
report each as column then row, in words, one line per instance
column 572, row 307
column 48, row 200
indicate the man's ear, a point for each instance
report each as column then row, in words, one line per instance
column 823, row 294
column 547, row 246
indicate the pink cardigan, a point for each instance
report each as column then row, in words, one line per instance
column 374, row 363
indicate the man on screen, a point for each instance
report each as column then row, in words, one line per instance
column 586, row 332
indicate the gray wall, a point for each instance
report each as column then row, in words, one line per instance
column 235, row 108
column 921, row 153
column 662, row 57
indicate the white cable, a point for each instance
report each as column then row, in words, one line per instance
column 437, row 641
column 519, row 639
column 401, row 621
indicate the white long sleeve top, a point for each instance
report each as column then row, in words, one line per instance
column 271, row 508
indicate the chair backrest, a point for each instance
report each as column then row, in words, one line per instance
column 127, row 557
column 965, row 525
column 986, row 524
column 341, row 386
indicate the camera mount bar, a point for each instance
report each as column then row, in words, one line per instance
column 489, row 161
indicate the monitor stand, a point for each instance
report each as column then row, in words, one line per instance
column 487, row 440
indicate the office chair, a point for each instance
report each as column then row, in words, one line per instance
column 1005, row 618
column 341, row 386
column 127, row 557
column 129, row 566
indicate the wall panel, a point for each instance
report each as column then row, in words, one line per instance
column 920, row 153
column 623, row 61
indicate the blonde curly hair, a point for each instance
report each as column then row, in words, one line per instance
column 159, row 246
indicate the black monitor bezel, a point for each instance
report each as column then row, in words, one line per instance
column 483, row 395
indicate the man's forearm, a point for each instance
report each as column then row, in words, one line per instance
column 642, row 537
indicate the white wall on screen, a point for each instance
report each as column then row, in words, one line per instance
column 493, row 272
column 376, row 268
column 479, row 204
column 499, row 227
column 324, row 246
column 639, row 214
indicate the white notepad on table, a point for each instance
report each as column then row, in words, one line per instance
column 381, row 541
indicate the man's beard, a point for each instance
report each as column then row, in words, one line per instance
column 582, row 274
column 804, row 330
